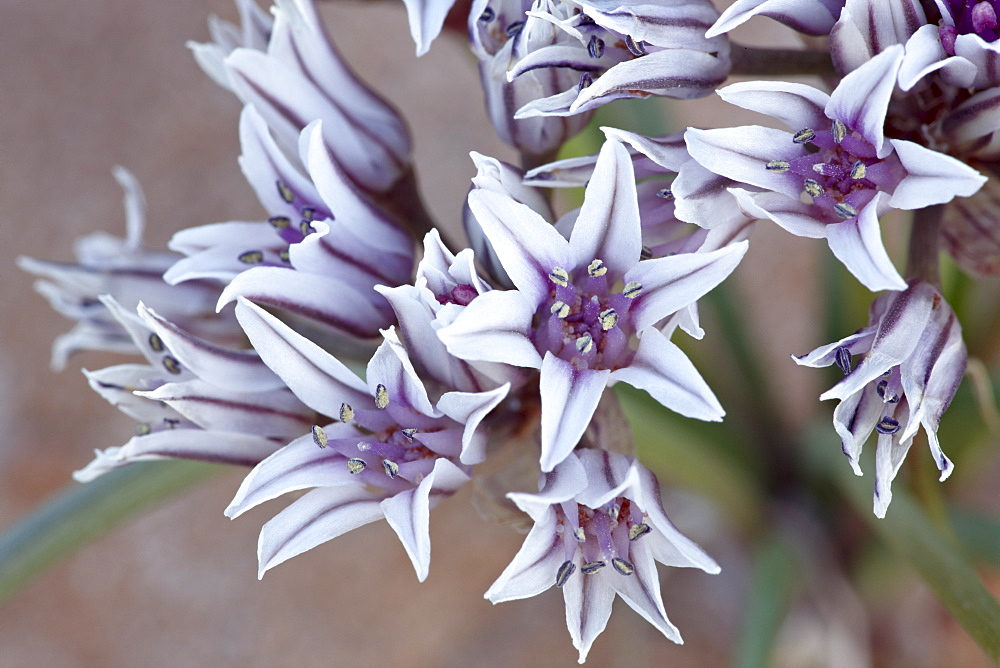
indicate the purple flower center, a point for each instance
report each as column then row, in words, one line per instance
column 584, row 321
column 970, row 17
column 602, row 536
column 841, row 171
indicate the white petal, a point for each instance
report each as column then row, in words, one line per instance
column 796, row 105
column 534, row 567
column 742, row 154
column 588, row 608
column 569, row 399
column 932, row 177
column 861, row 98
column 469, row 409
column 494, row 328
column 858, row 244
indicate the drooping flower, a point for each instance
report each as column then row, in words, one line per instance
column 386, row 449
column 585, row 309
column 913, row 361
column 837, row 155
column 128, row 271
column 630, row 50
column 599, row 530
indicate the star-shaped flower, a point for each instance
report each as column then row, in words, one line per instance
column 585, row 309
column 599, row 531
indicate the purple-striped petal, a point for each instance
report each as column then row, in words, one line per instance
column 569, row 399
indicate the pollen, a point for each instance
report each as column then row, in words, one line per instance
column 408, row 433
column 559, row 309
column 777, row 166
column 623, row 566
column 319, row 436
column 858, row 170
column 142, row 429
column 356, row 465
column 632, row 289
column 308, row 213
column 280, row 222
column 595, row 47
column 251, row 257
column 592, row 567
column 887, row 425
column 608, row 319
column 559, row 276
column 391, row 468
column 381, row 396
column 585, row 343
column 580, row 535
column 562, row 575
column 305, row 227
column 637, row 531
column 285, row 192
column 839, row 131
column 596, row 269
column 346, row 413
column 803, row 136
column 171, row 364
column 812, row 188
column 156, row 343
column 845, row 210
column 665, row 193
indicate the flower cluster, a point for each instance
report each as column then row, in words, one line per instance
column 518, row 337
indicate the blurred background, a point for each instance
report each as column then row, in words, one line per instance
column 88, row 84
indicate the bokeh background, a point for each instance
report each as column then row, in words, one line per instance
column 88, row 84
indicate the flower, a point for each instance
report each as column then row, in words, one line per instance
column 914, row 360
column 253, row 32
column 387, row 450
column 840, row 157
column 813, row 17
column 584, row 311
column 599, row 529
column 630, row 50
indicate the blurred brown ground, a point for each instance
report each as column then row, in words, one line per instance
column 87, row 84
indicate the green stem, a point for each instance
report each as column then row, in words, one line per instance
column 82, row 513
column 758, row 61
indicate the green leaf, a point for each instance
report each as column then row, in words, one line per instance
column 771, row 593
column 84, row 512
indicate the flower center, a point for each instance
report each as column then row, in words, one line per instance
column 602, row 536
column 841, row 171
column 970, row 17
column 584, row 322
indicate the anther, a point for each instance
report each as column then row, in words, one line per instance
column 635, row 47
column 812, row 188
column 156, row 343
column 881, row 389
column 285, row 192
column 305, row 227
column 142, row 429
column 888, row 425
column 585, row 343
column 843, row 359
column 319, row 436
column 346, row 413
column 637, row 531
column 308, row 213
column 623, row 566
column 608, row 319
column 487, row 15
column 251, row 257
column 559, row 309
column 586, row 79
column 580, row 535
column 845, row 210
column 858, row 170
column 632, row 289
column 566, row 570
column 645, row 253
column 559, row 276
column 596, row 269
column 391, row 468
column 665, row 193
column 381, row 396
column 777, row 166
column 408, row 433
column 284, row 255
column 356, row 465
column 595, row 47
column 839, row 131
column 592, row 567
column 171, row 422
column 514, row 28
column 803, row 136
column 280, row 222
column 171, row 364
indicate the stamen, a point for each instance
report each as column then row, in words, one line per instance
column 845, row 210
column 812, row 188
column 284, row 255
column 777, row 166
column 580, row 535
column 585, row 343
column 280, row 222
column 514, row 28
column 596, row 269
column 559, row 309
column 858, row 170
column 839, row 131
column 487, row 15
column 645, row 253
column 171, row 364
column 319, row 436
column 308, row 213
column 632, row 289
column 803, row 136
column 346, row 413
column 391, row 468
column 586, row 79
column 559, row 276
column 665, row 193
column 608, row 319
column 305, row 228
column 888, row 425
column 592, row 567
column 595, row 47
column 142, row 429
column 881, row 389
column 356, row 465
column 566, row 570
column 171, row 422
column 381, row 396
column 156, row 343
column 622, row 566
column 252, row 257
column 635, row 47
column 408, row 433
column 637, row 531
column 843, row 359
column 285, row 192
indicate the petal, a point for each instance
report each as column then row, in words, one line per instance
column 858, row 244
column 799, row 218
column 932, row 177
column 888, row 459
column 588, row 608
column 469, row 409
column 742, row 154
column 663, row 370
column 608, row 225
column 534, row 567
column 391, row 368
column 796, row 105
column 671, row 283
column 861, row 98
column 494, row 328
column 924, row 55
column 426, row 19
column 854, row 419
column 668, row 152
column 858, row 343
column 569, row 399
column 813, row 17
column 319, row 516
column 641, row 590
